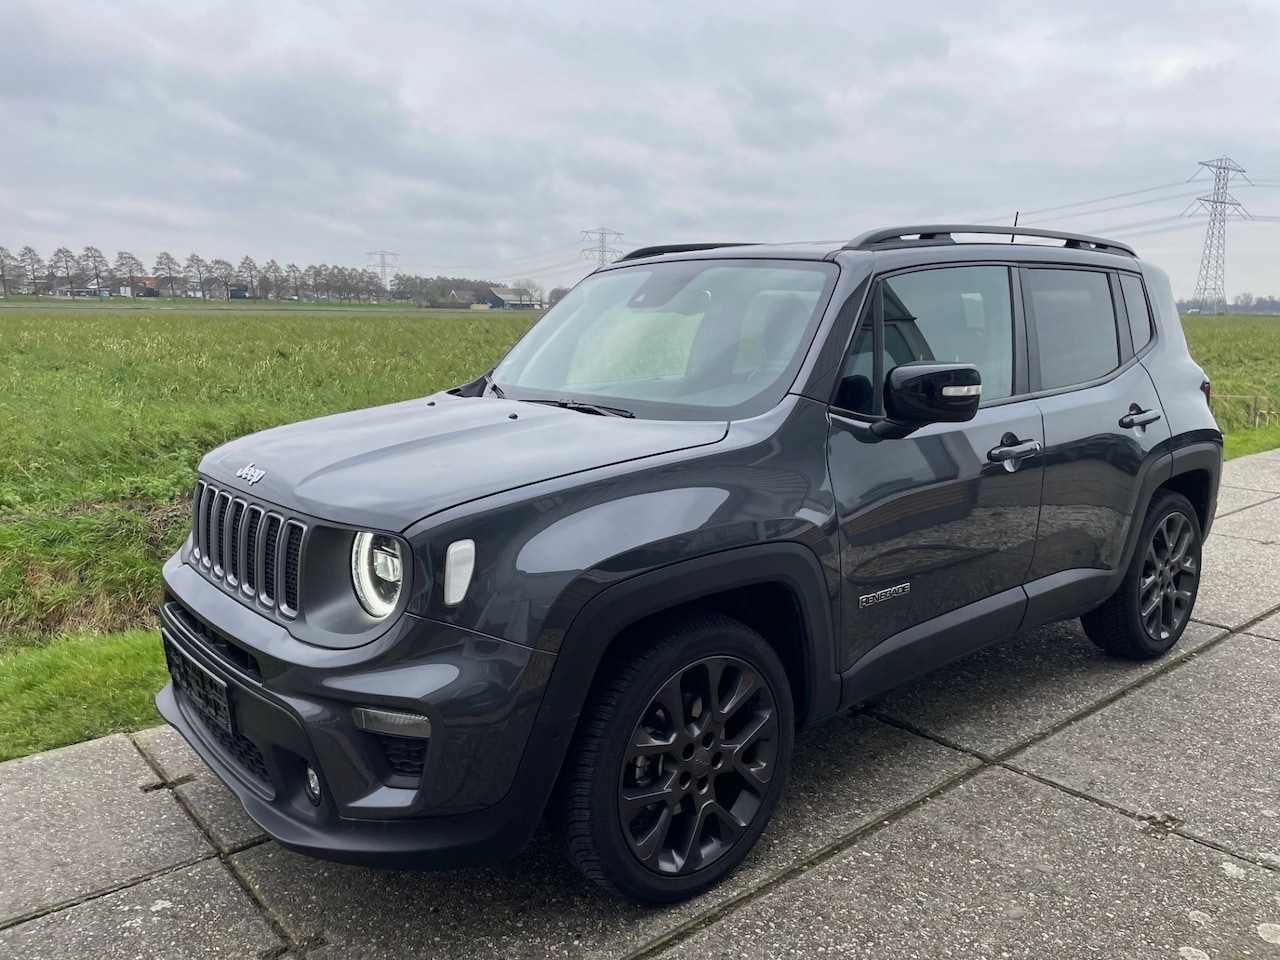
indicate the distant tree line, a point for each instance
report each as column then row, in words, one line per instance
column 91, row 273
column 1242, row 303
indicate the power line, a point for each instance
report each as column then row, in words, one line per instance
column 1122, row 227
column 1114, row 196
column 600, row 242
column 1002, row 217
column 498, row 263
column 1120, row 206
column 1211, row 293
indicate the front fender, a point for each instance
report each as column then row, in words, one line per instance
column 586, row 619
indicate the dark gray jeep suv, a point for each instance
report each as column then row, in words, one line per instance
column 718, row 492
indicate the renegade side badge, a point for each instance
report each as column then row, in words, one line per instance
column 888, row 593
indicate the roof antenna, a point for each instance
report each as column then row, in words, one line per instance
column 1015, row 223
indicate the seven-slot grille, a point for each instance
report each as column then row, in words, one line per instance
column 248, row 547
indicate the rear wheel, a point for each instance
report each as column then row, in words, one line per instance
column 679, row 760
column 1151, row 608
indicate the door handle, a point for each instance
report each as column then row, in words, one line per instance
column 1137, row 417
column 1011, row 448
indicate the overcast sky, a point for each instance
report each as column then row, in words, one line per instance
column 465, row 135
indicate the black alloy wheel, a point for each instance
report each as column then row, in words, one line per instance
column 698, row 766
column 1170, row 573
column 1151, row 608
column 679, row 758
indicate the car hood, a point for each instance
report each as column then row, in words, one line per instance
column 387, row 467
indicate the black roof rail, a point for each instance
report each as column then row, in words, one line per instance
column 676, row 248
column 942, row 233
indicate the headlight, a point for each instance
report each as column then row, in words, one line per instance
column 377, row 572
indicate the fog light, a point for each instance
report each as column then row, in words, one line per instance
column 313, row 786
column 393, row 722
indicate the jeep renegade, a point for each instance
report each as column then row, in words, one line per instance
column 718, row 492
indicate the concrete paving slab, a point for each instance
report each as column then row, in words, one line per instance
column 1260, row 522
column 1240, row 580
column 169, row 753
column 76, row 821
column 210, row 804
column 196, row 912
column 1200, row 744
column 849, row 773
column 1269, row 628
column 1253, row 473
column 1004, row 696
column 1231, row 499
column 216, row 809
column 1007, row 867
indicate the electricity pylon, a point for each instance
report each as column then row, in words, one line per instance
column 600, row 244
column 1211, row 287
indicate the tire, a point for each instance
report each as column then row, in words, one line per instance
column 1164, row 571
column 697, row 720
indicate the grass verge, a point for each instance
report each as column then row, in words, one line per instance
column 77, row 688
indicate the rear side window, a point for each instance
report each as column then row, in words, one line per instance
column 1135, row 304
column 1075, row 324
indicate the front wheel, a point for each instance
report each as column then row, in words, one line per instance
column 1151, row 608
column 679, row 760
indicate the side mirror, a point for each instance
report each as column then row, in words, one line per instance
column 918, row 394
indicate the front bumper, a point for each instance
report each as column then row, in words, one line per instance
column 472, row 794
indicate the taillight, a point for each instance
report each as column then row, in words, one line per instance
column 1204, row 388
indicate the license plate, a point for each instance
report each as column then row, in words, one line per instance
column 207, row 691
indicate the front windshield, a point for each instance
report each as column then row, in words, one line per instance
column 693, row 339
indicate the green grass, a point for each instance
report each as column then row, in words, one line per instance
column 77, row 688
column 104, row 415
column 1242, row 357
column 105, row 409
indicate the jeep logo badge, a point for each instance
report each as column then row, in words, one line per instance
column 251, row 473
column 888, row 593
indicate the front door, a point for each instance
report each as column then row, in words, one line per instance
column 947, row 517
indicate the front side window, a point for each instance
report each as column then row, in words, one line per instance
column 1075, row 325
column 952, row 314
column 688, row 339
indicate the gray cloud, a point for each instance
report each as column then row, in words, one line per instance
column 479, row 132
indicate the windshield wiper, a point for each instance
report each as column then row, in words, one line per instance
column 595, row 408
column 491, row 385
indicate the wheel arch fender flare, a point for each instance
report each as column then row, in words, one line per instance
column 1204, row 455
column 606, row 615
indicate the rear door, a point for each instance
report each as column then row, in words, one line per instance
column 936, row 522
column 1103, row 425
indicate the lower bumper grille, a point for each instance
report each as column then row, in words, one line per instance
column 406, row 758
column 241, row 749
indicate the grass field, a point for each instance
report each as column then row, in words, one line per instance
column 105, row 411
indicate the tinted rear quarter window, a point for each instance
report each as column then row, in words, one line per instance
column 1135, row 304
column 1075, row 326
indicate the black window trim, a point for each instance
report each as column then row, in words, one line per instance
column 873, row 312
column 1153, row 328
column 1033, row 339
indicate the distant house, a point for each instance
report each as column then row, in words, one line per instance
column 512, row 298
column 141, row 287
column 171, row 287
column 463, row 297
